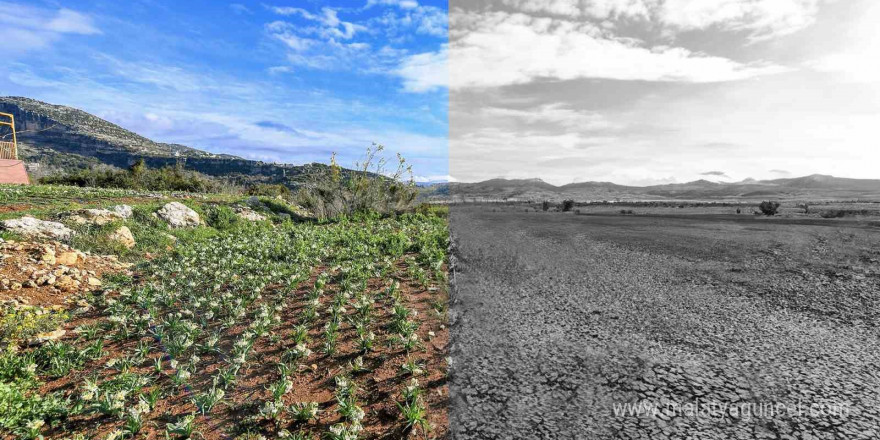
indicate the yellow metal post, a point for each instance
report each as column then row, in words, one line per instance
column 11, row 125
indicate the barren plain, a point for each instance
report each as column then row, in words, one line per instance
column 698, row 326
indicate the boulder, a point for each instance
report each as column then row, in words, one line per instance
column 94, row 282
column 32, row 227
column 98, row 217
column 67, row 258
column 123, row 211
column 179, row 215
column 123, row 235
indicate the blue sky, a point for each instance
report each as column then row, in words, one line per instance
column 288, row 81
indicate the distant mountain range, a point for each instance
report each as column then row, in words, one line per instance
column 56, row 138
column 814, row 187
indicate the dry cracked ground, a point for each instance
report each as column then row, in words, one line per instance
column 694, row 327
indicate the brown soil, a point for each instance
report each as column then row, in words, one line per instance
column 379, row 387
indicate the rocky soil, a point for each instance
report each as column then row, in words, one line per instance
column 632, row 327
column 50, row 273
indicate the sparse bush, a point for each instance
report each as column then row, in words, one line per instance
column 269, row 190
column 769, row 207
column 221, row 217
column 367, row 189
column 17, row 324
column 567, row 205
column 139, row 177
column 840, row 213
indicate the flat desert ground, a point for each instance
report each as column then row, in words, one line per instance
column 681, row 325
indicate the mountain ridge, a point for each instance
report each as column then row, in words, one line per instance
column 58, row 138
column 815, row 186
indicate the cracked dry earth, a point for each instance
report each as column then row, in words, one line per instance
column 637, row 327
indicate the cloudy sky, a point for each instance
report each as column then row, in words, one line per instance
column 653, row 91
column 277, row 80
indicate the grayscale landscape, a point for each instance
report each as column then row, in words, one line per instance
column 665, row 219
column 609, row 325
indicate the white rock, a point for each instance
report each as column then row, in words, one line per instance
column 253, row 216
column 96, row 216
column 32, row 227
column 179, row 215
column 123, row 235
column 123, row 211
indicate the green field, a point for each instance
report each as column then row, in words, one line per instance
column 285, row 327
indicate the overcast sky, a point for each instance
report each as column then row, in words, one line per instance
column 653, row 91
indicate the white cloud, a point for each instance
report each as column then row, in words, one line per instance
column 333, row 26
column 426, row 20
column 762, row 19
column 425, row 72
column 856, row 60
column 506, row 49
column 334, row 46
column 28, row 28
column 555, row 113
column 403, row 4
column 240, row 9
column 854, row 66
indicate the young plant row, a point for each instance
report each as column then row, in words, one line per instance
column 196, row 323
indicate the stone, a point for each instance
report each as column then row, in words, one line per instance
column 66, row 282
column 179, row 215
column 123, row 236
column 94, row 282
column 32, row 227
column 48, row 256
column 250, row 215
column 67, row 258
column 100, row 216
column 15, row 285
column 42, row 338
column 123, row 211
column 46, row 280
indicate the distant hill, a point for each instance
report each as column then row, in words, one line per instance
column 56, row 138
column 814, row 187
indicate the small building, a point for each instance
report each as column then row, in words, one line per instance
column 11, row 169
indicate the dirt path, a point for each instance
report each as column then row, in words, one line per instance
column 710, row 330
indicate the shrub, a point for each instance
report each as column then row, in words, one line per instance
column 769, row 208
column 221, row 217
column 269, row 190
column 139, row 177
column 341, row 193
column 833, row 213
column 545, row 205
column 567, row 205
